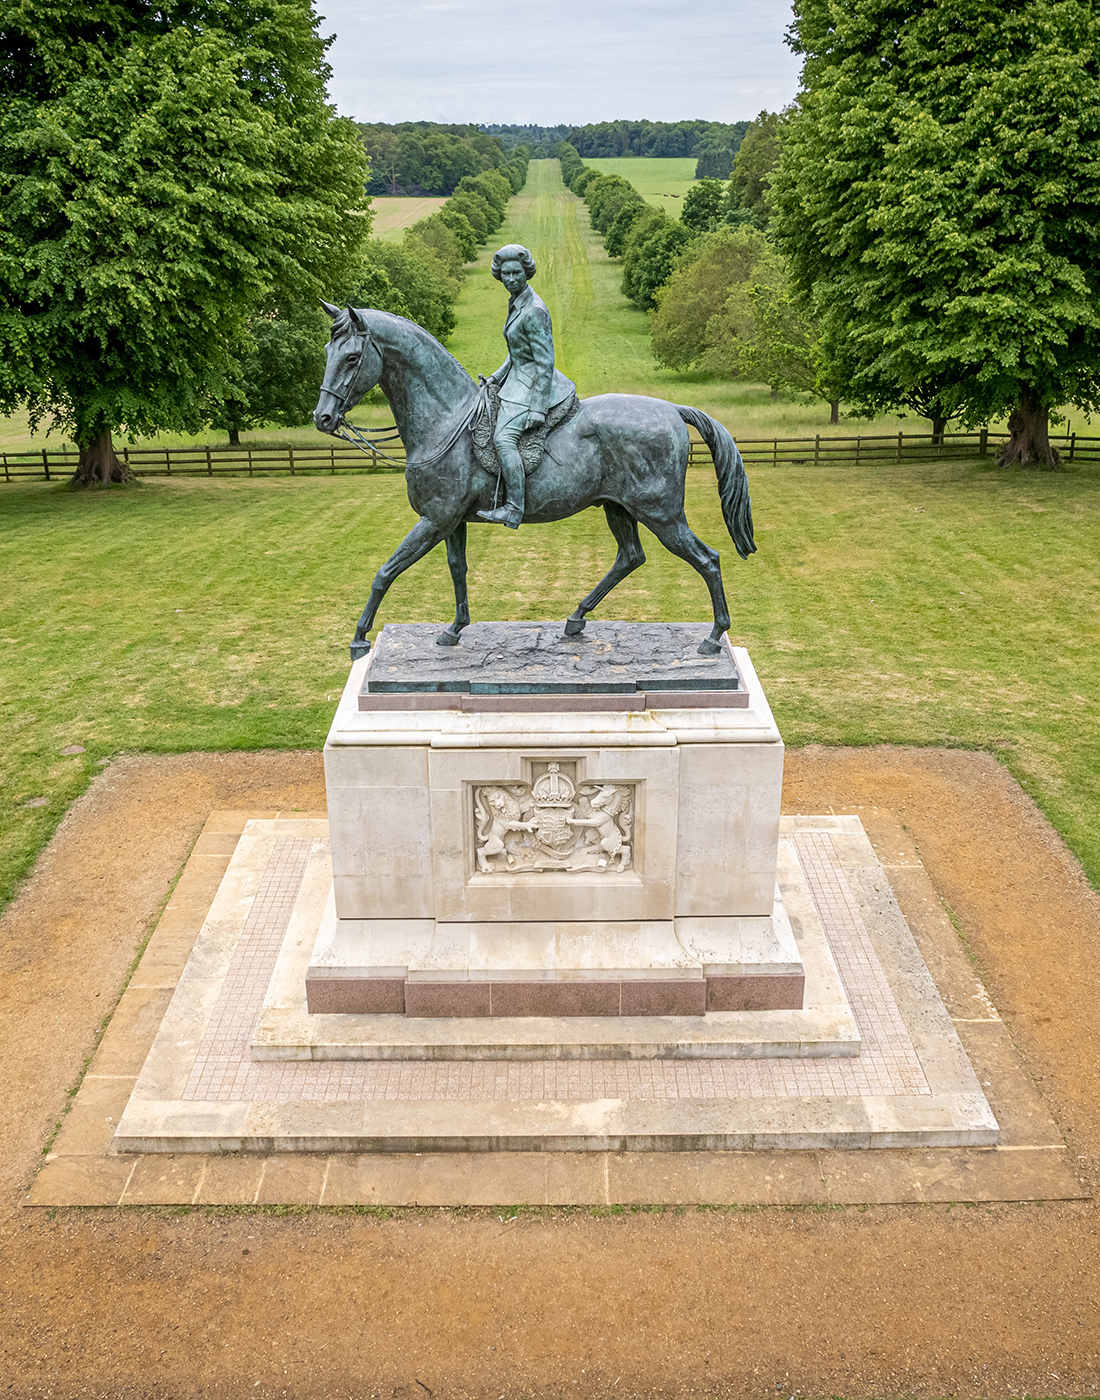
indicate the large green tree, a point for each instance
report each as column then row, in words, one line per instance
column 166, row 171
column 938, row 196
column 704, row 206
column 277, row 374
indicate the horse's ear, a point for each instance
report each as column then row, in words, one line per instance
column 358, row 320
column 333, row 311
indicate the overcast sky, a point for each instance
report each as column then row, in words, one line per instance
column 556, row 61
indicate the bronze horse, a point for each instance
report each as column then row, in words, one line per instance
column 625, row 452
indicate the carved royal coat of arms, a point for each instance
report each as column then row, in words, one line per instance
column 552, row 824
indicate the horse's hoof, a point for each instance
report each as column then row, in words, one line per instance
column 448, row 639
column 574, row 626
column 359, row 648
column 709, row 648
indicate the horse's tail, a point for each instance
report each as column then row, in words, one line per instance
column 733, row 485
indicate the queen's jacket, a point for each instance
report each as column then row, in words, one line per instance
column 527, row 378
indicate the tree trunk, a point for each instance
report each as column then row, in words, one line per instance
column 939, row 427
column 234, row 437
column 834, row 412
column 1029, row 436
column 100, row 464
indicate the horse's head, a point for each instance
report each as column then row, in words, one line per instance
column 353, row 366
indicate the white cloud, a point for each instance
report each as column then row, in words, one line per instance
column 571, row 61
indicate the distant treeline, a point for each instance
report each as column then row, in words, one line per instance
column 713, row 144
column 601, row 140
column 425, row 158
column 541, row 141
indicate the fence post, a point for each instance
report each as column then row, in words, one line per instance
column 209, row 463
column 859, row 440
column 983, row 443
column 775, row 452
column 250, row 461
column 899, row 447
column 46, row 463
column 1072, row 446
column 817, row 449
column 290, row 454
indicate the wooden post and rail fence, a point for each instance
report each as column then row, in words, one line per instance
column 328, row 458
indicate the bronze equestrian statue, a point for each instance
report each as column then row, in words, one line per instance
column 625, row 452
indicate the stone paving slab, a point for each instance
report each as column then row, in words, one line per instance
column 1029, row 1163
column 284, row 1030
column 202, row 1089
column 882, row 1176
column 397, row 1084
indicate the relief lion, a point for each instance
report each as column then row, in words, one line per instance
column 497, row 812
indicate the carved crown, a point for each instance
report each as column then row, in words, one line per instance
column 553, row 788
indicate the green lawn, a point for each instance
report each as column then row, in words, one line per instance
column 944, row 604
column 662, row 182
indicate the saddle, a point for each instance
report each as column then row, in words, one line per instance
column 532, row 441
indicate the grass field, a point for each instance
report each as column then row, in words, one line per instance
column 661, row 182
column 945, row 604
column 393, row 216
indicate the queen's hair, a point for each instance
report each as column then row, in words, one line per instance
column 517, row 252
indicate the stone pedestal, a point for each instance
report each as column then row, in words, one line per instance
column 535, row 825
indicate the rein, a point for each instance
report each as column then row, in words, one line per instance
column 359, row 438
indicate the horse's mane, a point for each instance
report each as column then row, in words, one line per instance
column 341, row 324
column 341, row 327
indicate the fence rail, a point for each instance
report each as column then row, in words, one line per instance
column 283, row 459
column 289, row 459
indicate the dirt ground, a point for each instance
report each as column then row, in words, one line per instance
column 855, row 1301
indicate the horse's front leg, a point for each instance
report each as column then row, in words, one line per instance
column 456, row 562
column 421, row 539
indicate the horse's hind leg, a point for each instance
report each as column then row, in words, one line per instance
column 676, row 536
column 421, row 539
column 456, row 562
column 631, row 556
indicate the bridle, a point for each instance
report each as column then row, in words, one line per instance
column 368, row 440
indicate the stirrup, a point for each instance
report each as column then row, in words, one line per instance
column 502, row 515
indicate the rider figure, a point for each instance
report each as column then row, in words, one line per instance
column 529, row 385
